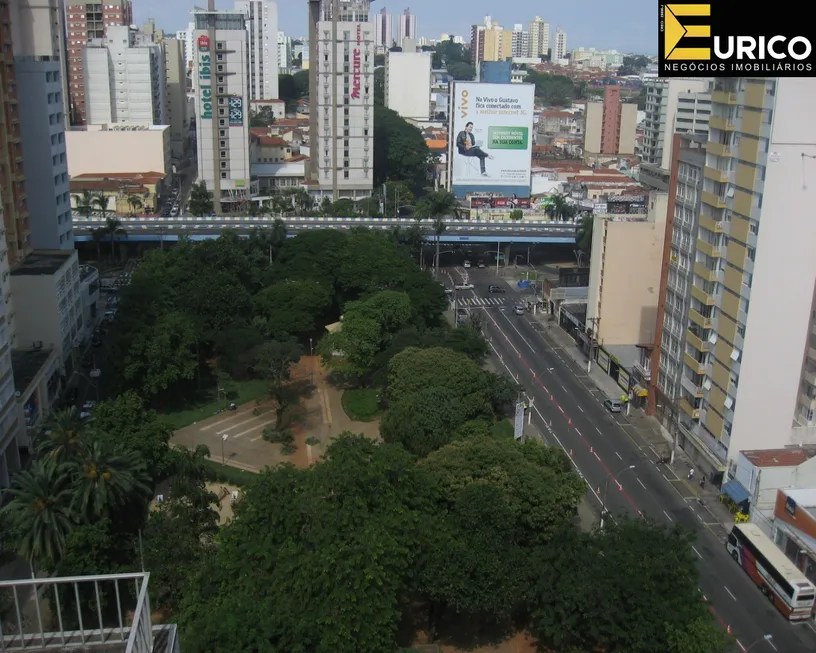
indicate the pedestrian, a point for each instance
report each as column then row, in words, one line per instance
column 691, row 474
column 702, row 483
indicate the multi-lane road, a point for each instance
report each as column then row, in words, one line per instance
column 608, row 458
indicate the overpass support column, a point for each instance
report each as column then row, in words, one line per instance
column 507, row 249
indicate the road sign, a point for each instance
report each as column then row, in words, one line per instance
column 518, row 430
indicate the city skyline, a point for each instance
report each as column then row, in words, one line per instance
column 630, row 28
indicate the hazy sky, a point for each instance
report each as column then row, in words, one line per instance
column 629, row 26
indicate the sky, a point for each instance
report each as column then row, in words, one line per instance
column 629, row 26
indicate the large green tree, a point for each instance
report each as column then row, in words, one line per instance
column 400, row 150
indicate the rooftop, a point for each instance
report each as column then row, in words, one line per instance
column 149, row 177
column 42, row 263
column 777, row 457
column 26, row 364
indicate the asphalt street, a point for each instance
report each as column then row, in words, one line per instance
column 623, row 474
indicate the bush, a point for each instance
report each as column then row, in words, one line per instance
column 218, row 473
column 278, row 436
column 361, row 404
column 312, row 441
column 288, row 449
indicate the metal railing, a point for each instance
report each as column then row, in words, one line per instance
column 107, row 611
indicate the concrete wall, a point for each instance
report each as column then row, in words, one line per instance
column 628, row 129
column 592, row 127
column 408, row 83
column 146, row 150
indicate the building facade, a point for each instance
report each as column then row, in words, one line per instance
column 407, row 27
column 128, row 149
column 125, row 79
column 175, row 75
column 672, row 106
column 749, row 331
column 383, row 30
column 186, row 37
column 520, row 46
column 406, row 74
column 262, row 27
column 87, row 20
column 539, row 38
column 610, row 126
column 559, row 45
column 342, row 94
column 221, row 71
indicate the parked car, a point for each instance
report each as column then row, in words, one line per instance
column 495, row 289
column 613, row 405
column 518, row 309
column 481, row 265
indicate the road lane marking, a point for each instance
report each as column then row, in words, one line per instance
column 618, row 455
column 255, row 439
column 772, row 645
column 742, row 648
column 561, row 409
column 694, row 548
column 214, row 424
column 667, row 516
column 579, row 408
column 641, row 483
column 729, row 593
column 232, row 426
column 595, row 453
column 598, row 430
column 564, row 389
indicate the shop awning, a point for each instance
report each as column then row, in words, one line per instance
column 735, row 491
column 640, row 391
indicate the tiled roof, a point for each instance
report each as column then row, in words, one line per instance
column 776, row 457
column 437, row 144
column 134, row 177
column 270, row 141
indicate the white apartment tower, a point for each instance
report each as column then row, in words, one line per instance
column 521, row 41
column 262, row 26
column 186, row 35
column 38, row 44
column 539, row 37
column 384, row 30
column 221, row 77
column 672, row 105
column 341, row 88
column 125, row 79
column 746, row 328
column 285, row 54
column 407, row 27
column 559, row 45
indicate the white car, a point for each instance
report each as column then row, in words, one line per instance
column 464, row 286
column 467, row 264
column 88, row 405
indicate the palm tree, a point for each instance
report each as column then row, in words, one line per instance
column 559, row 208
column 437, row 205
column 113, row 228
column 99, row 201
column 63, row 436
column 135, row 203
column 85, row 203
column 39, row 511
column 98, row 236
column 583, row 234
column 105, row 479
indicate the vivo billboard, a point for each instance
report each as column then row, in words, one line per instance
column 491, row 132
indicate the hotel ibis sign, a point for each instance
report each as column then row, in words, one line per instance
column 205, row 77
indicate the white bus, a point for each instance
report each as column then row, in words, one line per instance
column 779, row 579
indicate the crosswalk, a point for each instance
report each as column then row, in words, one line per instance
column 482, row 301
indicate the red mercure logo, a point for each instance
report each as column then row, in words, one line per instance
column 204, row 43
column 356, row 66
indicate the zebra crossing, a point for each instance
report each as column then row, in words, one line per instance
column 482, row 301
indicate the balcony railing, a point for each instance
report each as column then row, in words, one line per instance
column 688, row 409
column 718, row 122
column 721, row 97
column 718, row 149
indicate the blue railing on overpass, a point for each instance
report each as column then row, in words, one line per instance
column 154, row 228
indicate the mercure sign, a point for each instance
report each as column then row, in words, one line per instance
column 356, row 66
column 205, row 77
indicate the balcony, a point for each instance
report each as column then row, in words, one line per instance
column 718, row 149
column 715, row 174
column 713, row 200
column 718, row 122
column 701, row 296
column 721, row 97
column 689, row 387
column 712, row 225
column 694, row 364
column 714, row 251
column 688, row 409
column 698, row 343
column 700, row 320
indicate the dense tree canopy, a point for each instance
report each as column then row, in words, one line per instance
column 400, row 151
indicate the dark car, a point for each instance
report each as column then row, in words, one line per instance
column 96, row 341
column 495, row 289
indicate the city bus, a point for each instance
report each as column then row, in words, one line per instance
column 780, row 580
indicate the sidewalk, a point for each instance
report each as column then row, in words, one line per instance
column 646, row 432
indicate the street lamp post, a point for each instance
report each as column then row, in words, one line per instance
column 606, row 489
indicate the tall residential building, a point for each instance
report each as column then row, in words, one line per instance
column 477, row 44
column 490, row 42
column 672, row 106
column 407, row 26
column 12, row 174
column 285, row 54
column 125, row 79
column 539, row 39
column 559, row 45
column 383, row 30
column 610, row 126
column 262, row 26
column 520, row 45
column 88, row 19
column 221, row 78
column 175, row 75
column 341, row 88
column 747, row 379
column 186, row 35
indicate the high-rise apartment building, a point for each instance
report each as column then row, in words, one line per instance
column 559, row 45
column 610, row 126
column 539, row 39
column 407, row 26
column 125, row 80
column 285, row 54
column 186, row 35
column 672, row 106
column 221, row 78
column 383, row 30
column 88, row 19
column 520, row 45
column 341, row 88
column 745, row 322
column 262, row 46
column 490, row 42
column 175, row 76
